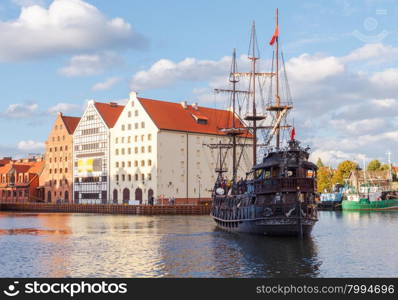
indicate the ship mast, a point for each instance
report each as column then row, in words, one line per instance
column 254, row 59
column 278, row 102
column 233, row 131
column 280, row 109
column 253, row 116
column 233, row 80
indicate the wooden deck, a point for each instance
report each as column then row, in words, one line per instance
column 108, row 208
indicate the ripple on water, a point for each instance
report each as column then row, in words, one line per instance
column 88, row 245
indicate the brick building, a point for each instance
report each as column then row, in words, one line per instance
column 19, row 180
column 57, row 177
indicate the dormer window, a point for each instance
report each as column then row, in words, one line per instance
column 200, row 119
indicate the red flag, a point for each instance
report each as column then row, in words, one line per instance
column 275, row 36
column 292, row 134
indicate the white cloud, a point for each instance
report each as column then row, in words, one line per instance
column 18, row 110
column 30, row 145
column 387, row 78
column 26, row 3
column 66, row 26
column 63, row 107
column 355, row 128
column 384, row 103
column 307, row 68
column 165, row 72
column 343, row 108
column 86, row 65
column 371, row 51
column 106, row 85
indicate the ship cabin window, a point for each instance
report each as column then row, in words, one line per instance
column 310, row 173
column 291, row 172
column 259, row 174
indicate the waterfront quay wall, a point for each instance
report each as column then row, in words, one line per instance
column 108, row 208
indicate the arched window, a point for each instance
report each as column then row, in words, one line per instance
column 66, row 197
column 115, row 196
column 126, row 196
column 138, row 195
column 150, row 194
column 49, row 196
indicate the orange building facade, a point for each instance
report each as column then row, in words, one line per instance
column 57, row 177
column 19, row 180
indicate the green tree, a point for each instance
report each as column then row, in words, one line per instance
column 324, row 179
column 343, row 171
column 319, row 163
column 384, row 167
column 374, row 165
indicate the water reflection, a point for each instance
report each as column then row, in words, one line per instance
column 87, row 245
column 268, row 256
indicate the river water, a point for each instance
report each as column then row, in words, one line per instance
column 342, row 244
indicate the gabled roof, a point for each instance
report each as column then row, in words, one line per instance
column 70, row 123
column 371, row 175
column 175, row 116
column 35, row 167
column 110, row 112
column 4, row 161
column 5, row 169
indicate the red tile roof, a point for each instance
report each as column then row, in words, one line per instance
column 5, row 169
column 70, row 123
column 173, row 116
column 4, row 161
column 110, row 112
column 35, row 167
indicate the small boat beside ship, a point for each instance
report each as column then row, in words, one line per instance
column 371, row 193
column 370, row 198
column 333, row 200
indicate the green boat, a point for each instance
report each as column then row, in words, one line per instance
column 366, row 204
column 375, row 199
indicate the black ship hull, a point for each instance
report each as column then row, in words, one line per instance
column 268, row 226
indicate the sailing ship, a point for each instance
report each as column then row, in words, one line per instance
column 277, row 197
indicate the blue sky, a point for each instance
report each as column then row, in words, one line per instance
column 57, row 54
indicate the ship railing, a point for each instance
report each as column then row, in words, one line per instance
column 274, row 185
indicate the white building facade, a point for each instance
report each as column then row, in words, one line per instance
column 91, row 155
column 158, row 149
